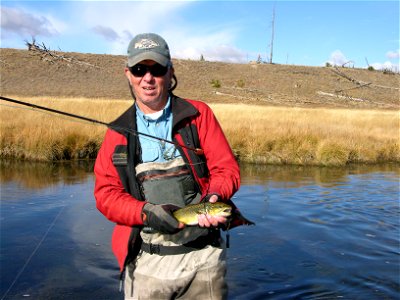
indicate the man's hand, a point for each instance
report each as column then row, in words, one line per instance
column 160, row 218
column 211, row 221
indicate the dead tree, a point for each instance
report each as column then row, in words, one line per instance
column 338, row 72
column 52, row 56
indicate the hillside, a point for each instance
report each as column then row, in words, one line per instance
column 35, row 73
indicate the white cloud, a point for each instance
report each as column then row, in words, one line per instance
column 186, row 41
column 387, row 66
column 215, row 53
column 123, row 21
column 337, row 58
column 393, row 54
column 393, row 64
column 106, row 32
column 215, row 44
column 227, row 53
column 16, row 21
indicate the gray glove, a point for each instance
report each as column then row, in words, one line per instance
column 160, row 218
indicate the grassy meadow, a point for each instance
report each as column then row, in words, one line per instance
column 257, row 134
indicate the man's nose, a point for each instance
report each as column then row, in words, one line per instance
column 148, row 76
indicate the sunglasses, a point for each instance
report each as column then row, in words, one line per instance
column 155, row 70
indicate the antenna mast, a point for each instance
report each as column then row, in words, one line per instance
column 272, row 35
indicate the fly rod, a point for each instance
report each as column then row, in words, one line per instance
column 197, row 151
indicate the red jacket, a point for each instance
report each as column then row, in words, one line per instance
column 120, row 201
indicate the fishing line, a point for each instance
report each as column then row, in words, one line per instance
column 61, row 117
column 47, row 114
column 197, row 151
column 33, row 253
column 75, row 121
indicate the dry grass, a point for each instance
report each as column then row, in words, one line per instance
column 261, row 134
column 281, row 135
column 34, row 135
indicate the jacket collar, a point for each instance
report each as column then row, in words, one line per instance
column 181, row 109
column 125, row 121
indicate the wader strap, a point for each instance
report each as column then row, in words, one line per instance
column 213, row 239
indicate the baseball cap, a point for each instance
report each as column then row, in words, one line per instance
column 148, row 46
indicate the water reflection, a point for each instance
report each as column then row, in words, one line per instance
column 40, row 174
column 36, row 175
column 302, row 175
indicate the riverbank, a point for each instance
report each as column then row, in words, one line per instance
column 257, row 134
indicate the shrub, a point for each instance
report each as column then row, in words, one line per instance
column 331, row 153
column 388, row 71
column 240, row 83
column 215, row 83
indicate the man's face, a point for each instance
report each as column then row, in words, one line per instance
column 150, row 88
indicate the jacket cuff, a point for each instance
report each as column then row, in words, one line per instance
column 141, row 216
column 208, row 196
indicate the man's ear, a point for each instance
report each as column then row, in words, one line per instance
column 128, row 74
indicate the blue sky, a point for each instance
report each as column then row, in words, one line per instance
column 305, row 32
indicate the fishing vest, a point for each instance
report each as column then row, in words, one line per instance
column 169, row 182
column 127, row 157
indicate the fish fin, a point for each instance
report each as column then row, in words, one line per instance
column 236, row 219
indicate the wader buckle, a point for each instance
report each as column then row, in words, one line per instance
column 154, row 249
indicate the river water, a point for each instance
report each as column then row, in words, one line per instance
column 320, row 233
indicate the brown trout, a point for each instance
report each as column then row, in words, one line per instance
column 188, row 214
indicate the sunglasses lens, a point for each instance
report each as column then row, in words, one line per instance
column 138, row 70
column 156, row 70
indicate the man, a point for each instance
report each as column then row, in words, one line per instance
column 140, row 181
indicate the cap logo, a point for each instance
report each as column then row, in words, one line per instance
column 146, row 44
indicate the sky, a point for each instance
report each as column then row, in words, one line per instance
column 311, row 33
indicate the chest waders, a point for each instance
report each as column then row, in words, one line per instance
column 171, row 182
column 181, row 265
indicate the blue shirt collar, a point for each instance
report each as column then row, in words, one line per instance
column 166, row 112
